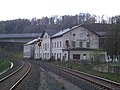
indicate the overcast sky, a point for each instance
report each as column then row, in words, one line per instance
column 13, row 9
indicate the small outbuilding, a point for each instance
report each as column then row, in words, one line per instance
column 31, row 49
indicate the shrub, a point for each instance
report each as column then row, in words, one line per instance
column 52, row 59
column 58, row 60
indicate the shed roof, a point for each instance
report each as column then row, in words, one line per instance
column 33, row 41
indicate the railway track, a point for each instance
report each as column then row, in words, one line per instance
column 11, row 81
column 101, row 83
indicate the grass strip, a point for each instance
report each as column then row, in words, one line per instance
column 1, row 61
column 5, row 66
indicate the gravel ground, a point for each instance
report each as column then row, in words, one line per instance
column 43, row 82
column 66, row 85
column 38, row 79
column 31, row 82
column 51, row 79
column 47, row 82
column 79, row 83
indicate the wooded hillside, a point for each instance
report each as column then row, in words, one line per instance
column 53, row 22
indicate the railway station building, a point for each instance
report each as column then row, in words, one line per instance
column 76, row 43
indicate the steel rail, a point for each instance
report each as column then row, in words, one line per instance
column 4, row 78
column 101, row 82
column 17, row 83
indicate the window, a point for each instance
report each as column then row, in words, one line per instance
column 76, row 56
column 67, row 43
column 81, row 44
column 57, row 44
column 65, row 55
column 73, row 43
column 60, row 55
column 84, row 57
column 88, row 44
column 48, row 55
column 73, row 34
column 45, row 36
column 60, row 43
column 57, row 56
column 45, row 46
column 48, row 45
column 43, row 55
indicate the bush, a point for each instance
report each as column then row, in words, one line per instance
column 58, row 60
column 96, row 57
column 52, row 59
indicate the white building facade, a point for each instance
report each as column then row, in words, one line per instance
column 32, row 49
column 81, row 42
column 76, row 43
column 37, row 52
column 57, row 46
column 45, row 46
column 28, row 51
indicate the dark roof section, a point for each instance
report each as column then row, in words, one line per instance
column 100, row 29
column 50, row 32
column 102, row 33
column 23, row 35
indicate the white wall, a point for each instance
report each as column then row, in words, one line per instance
column 45, row 46
column 77, row 35
column 37, row 52
column 57, row 46
column 28, row 51
column 81, row 35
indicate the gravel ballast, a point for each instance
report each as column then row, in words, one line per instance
column 43, row 77
column 82, row 84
